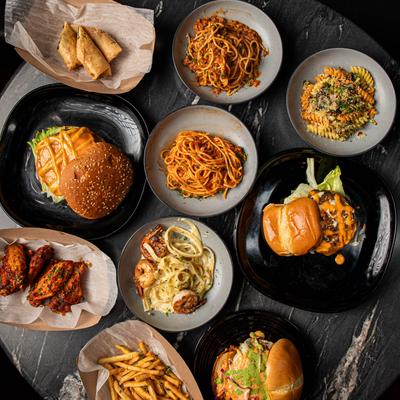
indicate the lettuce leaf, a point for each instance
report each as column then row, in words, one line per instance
column 301, row 191
column 331, row 182
column 50, row 194
column 40, row 135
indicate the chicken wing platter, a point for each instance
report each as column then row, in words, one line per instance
column 48, row 279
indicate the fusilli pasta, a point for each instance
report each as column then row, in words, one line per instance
column 339, row 103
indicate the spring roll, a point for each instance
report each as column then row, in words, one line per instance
column 104, row 41
column 90, row 56
column 67, row 47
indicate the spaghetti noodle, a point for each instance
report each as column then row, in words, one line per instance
column 201, row 165
column 224, row 54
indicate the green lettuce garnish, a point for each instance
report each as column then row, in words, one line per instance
column 40, row 135
column 331, row 182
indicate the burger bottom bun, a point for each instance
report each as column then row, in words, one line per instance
column 284, row 371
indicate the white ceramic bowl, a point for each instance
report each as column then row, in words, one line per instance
column 216, row 296
column 208, row 119
column 247, row 14
column 385, row 100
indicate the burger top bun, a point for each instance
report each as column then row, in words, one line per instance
column 95, row 183
column 284, row 371
column 293, row 228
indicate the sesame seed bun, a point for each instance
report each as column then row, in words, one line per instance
column 95, row 183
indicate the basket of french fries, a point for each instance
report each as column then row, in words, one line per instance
column 132, row 361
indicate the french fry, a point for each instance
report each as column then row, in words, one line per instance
column 136, row 384
column 158, row 387
column 145, row 360
column 111, row 387
column 152, row 393
column 142, row 347
column 171, row 395
column 174, row 381
column 133, row 360
column 142, row 393
column 121, row 357
column 123, row 349
column 120, row 392
column 135, row 395
column 179, row 395
column 141, row 375
column 138, row 369
column 127, row 377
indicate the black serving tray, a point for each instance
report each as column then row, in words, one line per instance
column 315, row 282
column 235, row 328
column 112, row 118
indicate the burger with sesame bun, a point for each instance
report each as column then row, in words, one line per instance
column 95, row 183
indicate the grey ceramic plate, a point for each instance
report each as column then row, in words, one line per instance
column 216, row 296
column 385, row 98
column 207, row 119
column 242, row 12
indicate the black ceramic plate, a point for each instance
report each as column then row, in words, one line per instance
column 315, row 282
column 110, row 117
column 234, row 329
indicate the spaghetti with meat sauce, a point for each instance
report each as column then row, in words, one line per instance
column 224, row 54
column 201, row 165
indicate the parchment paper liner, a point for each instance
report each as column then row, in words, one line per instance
column 133, row 29
column 99, row 283
column 129, row 333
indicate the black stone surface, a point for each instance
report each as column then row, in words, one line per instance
column 358, row 350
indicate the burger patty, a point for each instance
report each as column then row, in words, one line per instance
column 338, row 221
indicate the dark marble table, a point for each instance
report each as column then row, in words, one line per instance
column 358, row 351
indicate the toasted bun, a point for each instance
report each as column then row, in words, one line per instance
column 96, row 183
column 284, row 371
column 293, row 228
column 221, row 365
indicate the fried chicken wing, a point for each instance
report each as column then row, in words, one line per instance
column 71, row 293
column 14, row 269
column 38, row 261
column 53, row 279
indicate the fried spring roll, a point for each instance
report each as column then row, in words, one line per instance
column 103, row 40
column 67, row 47
column 90, row 56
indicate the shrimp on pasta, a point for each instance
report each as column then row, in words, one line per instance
column 178, row 280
